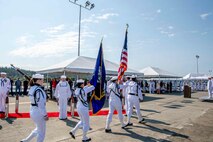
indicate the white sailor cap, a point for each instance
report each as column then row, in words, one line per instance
column 114, row 78
column 128, row 76
column 38, row 76
column 3, row 73
column 63, row 76
column 80, row 81
column 134, row 76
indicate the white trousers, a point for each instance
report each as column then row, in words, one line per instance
column 3, row 97
column 133, row 101
column 150, row 90
column 83, row 113
column 114, row 104
column 210, row 92
column 126, row 103
column 62, row 107
column 40, row 129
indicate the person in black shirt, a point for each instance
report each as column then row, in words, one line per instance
column 11, row 89
column 18, row 86
column 25, row 83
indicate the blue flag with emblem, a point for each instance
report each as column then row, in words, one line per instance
column 98, row 80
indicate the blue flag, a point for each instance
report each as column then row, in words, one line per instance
column 98, row 80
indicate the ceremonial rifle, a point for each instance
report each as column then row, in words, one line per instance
column 18, row 70
column 17, row 96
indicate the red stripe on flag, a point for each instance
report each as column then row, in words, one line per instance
column 125, row 53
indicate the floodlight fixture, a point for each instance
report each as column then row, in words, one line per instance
column 87, row 3
column 92, row 6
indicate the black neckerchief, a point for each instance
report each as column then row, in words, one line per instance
column 40, row 91
column 116, row 88
column 84, row 102
column 2, row 82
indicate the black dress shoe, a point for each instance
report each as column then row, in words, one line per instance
column 123, row 127
column 142, row 121
column 108, row 130
column 63, row 118
column 72, row 135
column 129, row 124
column 89, row 139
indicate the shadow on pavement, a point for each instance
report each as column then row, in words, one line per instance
column 156, row 121
column 149, row 110
column 70, row 123
column 150, row 98
column 137, row 136
column 174, row 106
column 164, row 131
column 8, row 120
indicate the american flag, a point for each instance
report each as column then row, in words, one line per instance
column 124, row 58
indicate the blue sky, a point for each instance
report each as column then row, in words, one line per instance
column 162, row 33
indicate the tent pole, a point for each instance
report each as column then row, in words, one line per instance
column 47, row 81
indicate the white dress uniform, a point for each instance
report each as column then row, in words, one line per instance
column 125, row 92
column 4, row 89
column 210, row 88
column 151, row 87
column 114, row 104
column 83, row 110
column 63, row 93
column 37, row 113
column 134, row 95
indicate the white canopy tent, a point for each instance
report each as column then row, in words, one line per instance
column 195, row 76
column 154, row 72
column 85, row 65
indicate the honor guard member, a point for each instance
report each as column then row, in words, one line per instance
column 38, row 111
column 4, row 90
column 114, row 102
column 134, row 94
column 62, row 94
column 125, row 92
column 82, row 109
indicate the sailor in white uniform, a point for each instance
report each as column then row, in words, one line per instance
column 62, row 94
column 4, row 90
column 125, row 93
column 38, row 111
column 210, row 88
column 134, row 94
column 114, row 102
column 82, row 109
column 151, row 87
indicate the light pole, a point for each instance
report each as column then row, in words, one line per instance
column 197, row 57
column 87, row 6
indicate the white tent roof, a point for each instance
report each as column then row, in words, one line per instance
column 85, row 65
column 154, row 72
column 195, row 76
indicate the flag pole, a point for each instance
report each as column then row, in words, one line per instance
column 101, row 65
column 127, row 26
column 120, row 76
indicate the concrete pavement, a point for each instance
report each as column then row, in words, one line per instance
column 169, row 117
